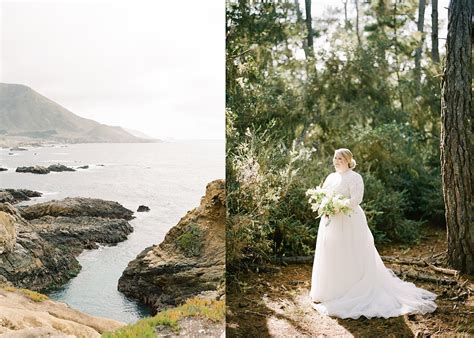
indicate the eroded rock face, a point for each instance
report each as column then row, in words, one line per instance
column 7, row 233
column 33, row 262
column 59, row 168
column 14, row 196
column 77, row 206
column 43, row 255
column 20, row 316
column 83, row 232
column 37, row 169
column 190, row 260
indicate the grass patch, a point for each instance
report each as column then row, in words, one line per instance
column 33, row 295
column 195, row 307
column 190, row 242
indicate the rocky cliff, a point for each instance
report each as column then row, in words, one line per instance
column 27, row 314
column 38, row 243
column 189, row 261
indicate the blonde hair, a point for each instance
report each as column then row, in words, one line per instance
column 347, row 155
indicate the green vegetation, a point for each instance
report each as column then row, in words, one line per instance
column 195, row 307
column 287, row 111
column 190, row 241
column 33, row 295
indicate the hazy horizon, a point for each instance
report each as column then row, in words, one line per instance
column 157, row 68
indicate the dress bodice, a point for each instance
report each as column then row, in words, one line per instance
column 349, row 184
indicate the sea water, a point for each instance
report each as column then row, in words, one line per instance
column 168, row 177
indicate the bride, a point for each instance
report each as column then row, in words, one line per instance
column 349, row 278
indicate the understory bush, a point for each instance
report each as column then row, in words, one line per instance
column 288, row 109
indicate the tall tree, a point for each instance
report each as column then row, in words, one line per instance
column 434, row 31
column 357, row 22
column 456, row 138
column 309, row 26
column 299, row 18
column 421, row 22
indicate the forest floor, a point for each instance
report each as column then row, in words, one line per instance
column 275, row 303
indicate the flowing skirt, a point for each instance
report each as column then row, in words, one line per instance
column 349, row 278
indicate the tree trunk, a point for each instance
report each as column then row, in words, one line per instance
column 456, row 138
column 299, row 18
column 434, row 31
column 380, row 16
column 421, row 22
column 397, row 62
column 309, row 26
column 357, row 22
column 346, row 20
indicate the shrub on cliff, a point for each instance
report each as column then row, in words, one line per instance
column 212, row 310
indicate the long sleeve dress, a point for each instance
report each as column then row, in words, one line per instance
column 349, row 279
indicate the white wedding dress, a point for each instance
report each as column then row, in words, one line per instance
column 349, row 278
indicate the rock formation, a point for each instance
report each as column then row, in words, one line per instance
column 32, row 262
column 37, row 169
column 77, row 206
column 190, row 260
column 82, row 232
column 49, row 235
column 7, row 233
column 25, row 314
column 14, row 196
column 143, row 208
column 59, row 167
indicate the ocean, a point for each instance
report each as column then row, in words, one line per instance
column 168, row 177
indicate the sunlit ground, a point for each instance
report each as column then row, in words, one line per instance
column 276, row 304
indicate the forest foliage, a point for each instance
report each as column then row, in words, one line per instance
column 289, row 108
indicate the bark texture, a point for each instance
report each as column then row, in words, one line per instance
column 456, row 138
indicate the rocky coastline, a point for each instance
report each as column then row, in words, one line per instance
column 41, row 170
column 190, row 261
column 14, row 196
column 24, row 313
column 39, row 243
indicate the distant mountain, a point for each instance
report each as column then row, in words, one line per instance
column 26, row 113
column 138, row 133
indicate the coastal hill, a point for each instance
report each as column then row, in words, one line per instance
column 26, row 114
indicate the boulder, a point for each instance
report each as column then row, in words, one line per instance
column 190, row 260
column 59, row 167
column 14, row 196
column 34, row 170
column 143, row 208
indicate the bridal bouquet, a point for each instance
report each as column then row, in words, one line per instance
column 327, row 204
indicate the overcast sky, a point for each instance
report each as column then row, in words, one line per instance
column 154, row 66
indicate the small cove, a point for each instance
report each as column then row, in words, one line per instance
column 169, row 177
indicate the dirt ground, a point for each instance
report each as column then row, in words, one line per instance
column 275, row 303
